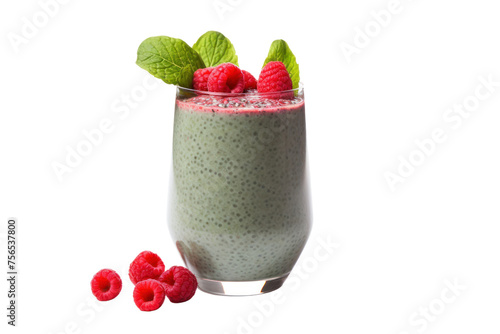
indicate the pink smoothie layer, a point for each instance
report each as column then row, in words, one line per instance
column 239, row 104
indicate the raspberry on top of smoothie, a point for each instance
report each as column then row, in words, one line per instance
column 238, row 91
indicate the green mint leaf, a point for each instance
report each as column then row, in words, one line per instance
column 169, row 59
column 186, row 76
column 215, row 49
column 279, row 51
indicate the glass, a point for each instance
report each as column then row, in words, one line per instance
column 239, row 194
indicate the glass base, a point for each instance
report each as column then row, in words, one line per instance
column 240, row 288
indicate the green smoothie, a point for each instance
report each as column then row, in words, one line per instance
column 239, row 208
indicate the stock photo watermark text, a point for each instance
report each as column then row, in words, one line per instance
column 94, row 137
column 378, row 21
column 222, row 7
column 453, row 118
column 420, row 320
column 32, row 25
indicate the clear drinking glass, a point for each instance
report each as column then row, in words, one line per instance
column 239, row 195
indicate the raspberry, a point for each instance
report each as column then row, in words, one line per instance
column 200, row 78
column 106, row 284
column 275, row 78
column 149, row 295
column 180, row 284
column 146, row 265
column 226, row 78
column 250, row 82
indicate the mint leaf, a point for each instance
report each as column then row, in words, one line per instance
column 186, row 76
column 169, row 59
column 279, row 51
column 215, row 49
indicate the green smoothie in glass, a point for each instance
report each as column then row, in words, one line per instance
column 239, row 202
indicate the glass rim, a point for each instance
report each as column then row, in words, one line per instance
column 202, row 92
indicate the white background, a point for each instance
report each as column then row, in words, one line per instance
column 397, row 249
